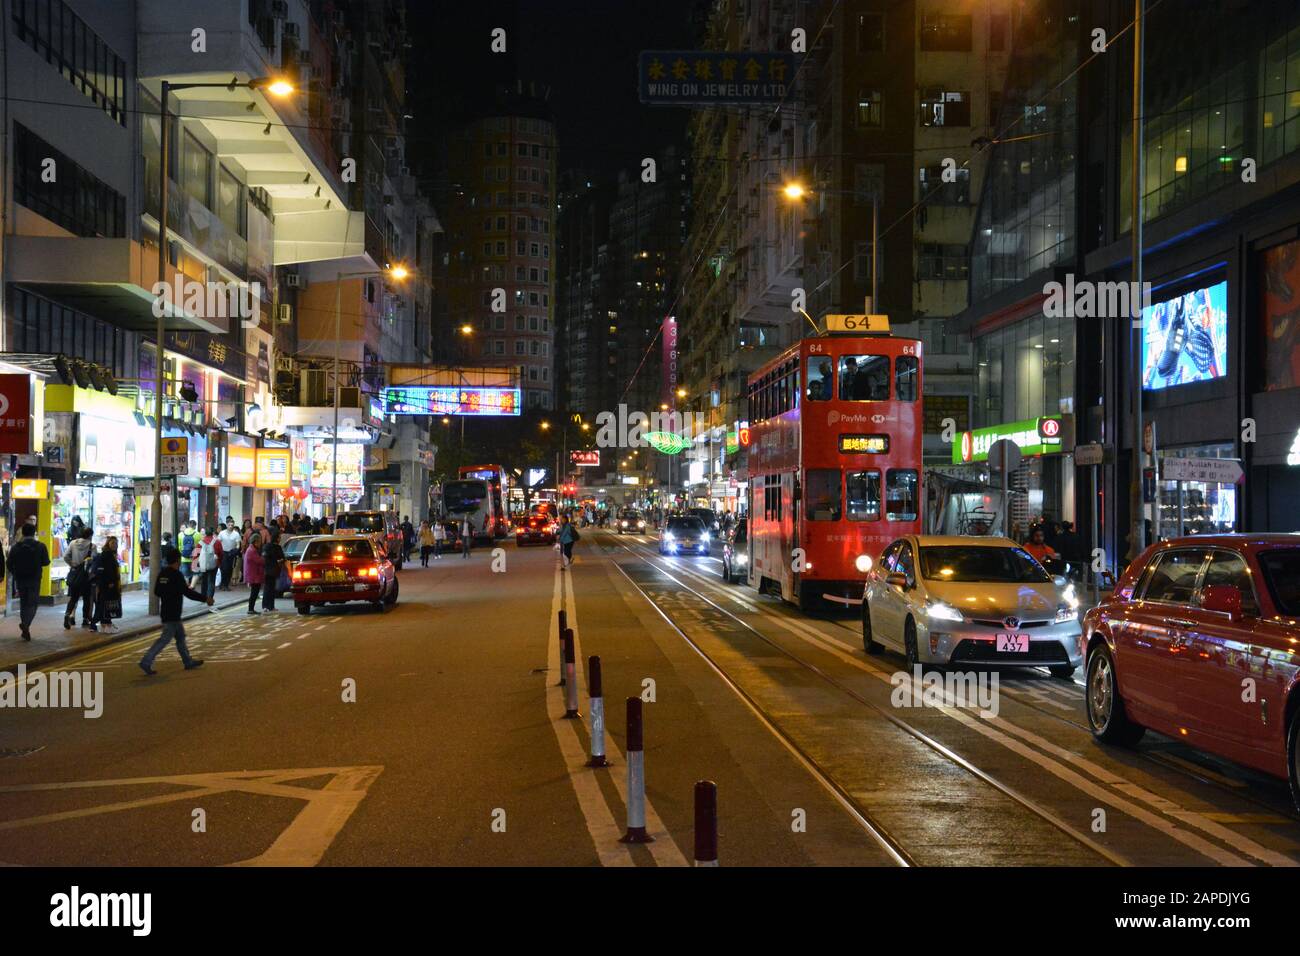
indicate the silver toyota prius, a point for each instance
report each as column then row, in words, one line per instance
column 983, row 602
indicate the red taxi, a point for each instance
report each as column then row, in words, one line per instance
column 1201, row 641
column 536, row 528
column 340, row 568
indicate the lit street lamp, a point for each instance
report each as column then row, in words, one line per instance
column 276, row 87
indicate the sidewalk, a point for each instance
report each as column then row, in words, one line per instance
column 50, row 642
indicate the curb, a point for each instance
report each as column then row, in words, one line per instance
column 50, row 657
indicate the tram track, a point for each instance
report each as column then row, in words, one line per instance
column 862, row 814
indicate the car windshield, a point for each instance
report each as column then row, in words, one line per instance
column 974, row 563
column 463, row 496
column 361, row 521
column 294, row 547
column 742, row 529
column 1282, row 572
column 325, row 550
column 686, row 525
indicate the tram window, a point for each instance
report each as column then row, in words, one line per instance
column 821, row 379
column 794, row 386
column 864, row 378
column 822, row 494
column 905, row 374
column 901, row 494
column 862, row 489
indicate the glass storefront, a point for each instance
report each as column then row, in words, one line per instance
column 1024, row 369
column 106, row 511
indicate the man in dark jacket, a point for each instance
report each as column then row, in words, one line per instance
column 172, row 592
column 273, row 558
column 27, row 559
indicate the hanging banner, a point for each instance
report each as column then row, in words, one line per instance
column 16, row 414
column 668, row 389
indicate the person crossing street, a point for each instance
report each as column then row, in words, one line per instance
column 172, row 592
column 27, row 560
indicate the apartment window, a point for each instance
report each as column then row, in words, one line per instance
column 546, row 349
column 501, row 247
column 546, row 374
column 519, row 273
column 532, row 323
column 521, row 198
column 519, row 297
column 942, row 261
column 487, row 347
column 499, row 347
column 501, row 223
column 871, row 109
column 946, row 32
column 546, row 250
column 499, row 322
column 999, row 31
column 871, row 33
column 533, row 275
column 196, row 170
column 519, row 323
column 520, row 247
column 534, row 250
column 521, row 223
column 52, row 29
column 519, row 346
column 76, row 200
column 532, row 298
column 532, row 346
column 532, row 373
column 936, row 192
column 945, row 108
column 487, row 248
column 862, row 261
column 487, row 225
column 501, row 149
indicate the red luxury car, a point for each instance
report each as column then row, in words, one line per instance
column 339, row 568
column 1201, row 641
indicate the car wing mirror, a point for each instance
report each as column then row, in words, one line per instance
column 897, row 580
column 1222, row 599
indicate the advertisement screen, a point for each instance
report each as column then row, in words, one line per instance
column 450, row 400
column 1185, row 339
column 350, row 472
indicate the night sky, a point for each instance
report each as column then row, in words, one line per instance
column 584, row 50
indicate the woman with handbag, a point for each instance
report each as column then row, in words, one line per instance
column 79, row 556
column 106, row 575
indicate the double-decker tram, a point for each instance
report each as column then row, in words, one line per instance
column 479, row 495
column 834, row 462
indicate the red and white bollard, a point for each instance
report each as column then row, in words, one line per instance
column 597, row 702
column 706, row 823
column 636, row 831
column 570, row 677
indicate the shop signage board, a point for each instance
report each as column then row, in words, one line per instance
column 1044, row 435
column 175, row 456
column 241, row 465
column 15, row 414
column 1223, row 471
column 273, row 468
column 585, row 459
column 712, row 77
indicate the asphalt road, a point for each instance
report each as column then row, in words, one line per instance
column 431, row 734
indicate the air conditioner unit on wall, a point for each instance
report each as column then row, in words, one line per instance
column 284, row 313
column 292, row 280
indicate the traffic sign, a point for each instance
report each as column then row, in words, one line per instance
column 1091, row 454
column 1004, row 456
column 858, row 324
column 1223, row 471
column 175, row 456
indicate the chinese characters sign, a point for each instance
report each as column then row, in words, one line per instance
column 681, row 77
column 450, row 400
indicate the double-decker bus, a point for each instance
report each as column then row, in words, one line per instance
column 478, row 494
column 834, row 463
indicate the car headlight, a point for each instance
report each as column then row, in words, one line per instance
column 742, row 559
column 1065, row 614
column 624, row 524
column 705, row 537
column 668, row 536
column 939, row 611
column 640, row 524
column 863, row 563
column 1071, row 597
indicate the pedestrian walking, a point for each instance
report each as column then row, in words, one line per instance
column 439, row 537
column 172, row 591
column 567, row 538
column 27, row 559
column 78, row 557
column 426, row 543
column 205, row 565
column 466, row 537
column 408, row 537
column 254, row 570
column 189, row 546
column 106, row 574
column 273, row 564
column 230, row 539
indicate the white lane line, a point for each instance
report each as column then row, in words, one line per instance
column 664, row 849
column 319, row 627
column 601, row 826
column 284, row 645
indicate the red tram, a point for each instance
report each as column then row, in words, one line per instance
column 834, row 463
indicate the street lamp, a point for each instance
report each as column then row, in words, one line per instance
column 277, row 87
column 397, row 272
column 796, row 191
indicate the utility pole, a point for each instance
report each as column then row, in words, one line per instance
column 1137, row 508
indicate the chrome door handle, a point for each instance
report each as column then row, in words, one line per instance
column 1179, row 622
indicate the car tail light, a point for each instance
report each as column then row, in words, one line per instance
column 300, row 575
column 372, row 572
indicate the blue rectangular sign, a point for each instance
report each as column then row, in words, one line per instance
column 694, row 77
